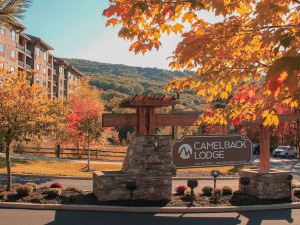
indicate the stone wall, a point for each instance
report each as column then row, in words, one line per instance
column 272, row 185
column 148, row 162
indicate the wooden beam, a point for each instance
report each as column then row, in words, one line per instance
column 119, row 120
column 130, row 120
column 264, row 149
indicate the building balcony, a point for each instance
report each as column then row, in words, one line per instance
column 28, row 67
column 28, row 53
column 21, row 48
column 21, row 64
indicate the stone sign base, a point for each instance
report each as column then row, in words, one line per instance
column 272, row 185
column 148, row 162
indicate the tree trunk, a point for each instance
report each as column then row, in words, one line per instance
column 88, row 166
column 8, row 167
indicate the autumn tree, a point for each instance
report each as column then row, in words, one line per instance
column 249, row 59
column 26, row 113
column 85, row 119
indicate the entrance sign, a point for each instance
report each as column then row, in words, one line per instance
column 202, row 151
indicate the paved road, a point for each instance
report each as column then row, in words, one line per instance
column 88, row 184
column 284, row 164
column 52, row 217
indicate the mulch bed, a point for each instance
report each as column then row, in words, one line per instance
column 75, row 196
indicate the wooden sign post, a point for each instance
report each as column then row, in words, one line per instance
column 145, row 120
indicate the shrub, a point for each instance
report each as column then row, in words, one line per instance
column 226, row 190
column 188, row 197
column 180, row 189
column 207, row 190
column 215, row 198
column 218, row 192
column 4, row 195
column 34, row 185
column 25, row 190
column 56, row 185
column 53, row 192
column 297, row 191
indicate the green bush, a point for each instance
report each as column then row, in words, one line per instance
column 207, row 190
column 226, row 190
column 25, row 190
column 53, row 192
column 296, row 191
column 188, row 197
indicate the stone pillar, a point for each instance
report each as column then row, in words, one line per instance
column 148, row 162
column 272, row 185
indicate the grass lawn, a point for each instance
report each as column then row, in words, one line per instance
column 52, row 167
column 62, row 168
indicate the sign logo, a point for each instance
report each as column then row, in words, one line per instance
column 205, row 151
column 185, row 151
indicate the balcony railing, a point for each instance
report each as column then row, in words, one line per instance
column 28, row 52
column 21, row 64
column 28, row 67
column 21, row 48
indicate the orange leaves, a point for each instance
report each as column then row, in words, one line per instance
column 112, row 21
column 178, row 28
column 110, row 11
column 284, row 74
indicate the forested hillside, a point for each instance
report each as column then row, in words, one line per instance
column 119, row 81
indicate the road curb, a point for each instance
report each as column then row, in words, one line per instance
column 100, row 208
column 91, row 178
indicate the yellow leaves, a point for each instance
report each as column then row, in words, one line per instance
column 189, row 17
column 224, row 95
column 270, row 118
column 178, row 28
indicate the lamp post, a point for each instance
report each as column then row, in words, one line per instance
column 215, row 174
column 192, row 184
column 131, row 186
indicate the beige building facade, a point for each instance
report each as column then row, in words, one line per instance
column 24, row 52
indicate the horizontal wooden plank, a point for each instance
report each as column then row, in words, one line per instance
column 119, row 120
column 130, row 120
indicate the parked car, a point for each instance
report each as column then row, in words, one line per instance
column 285, row 152
column 255, row 148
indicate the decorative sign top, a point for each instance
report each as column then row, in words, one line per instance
column 203, row 151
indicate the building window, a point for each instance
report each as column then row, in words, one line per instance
column 2, row 30
column 13, row 35
column 13, row 54
column 45, row 56
column 1, row 47
column 1, row 65
column 37, row 51
column 12, row 70
column 44, row 70
column 37, row 66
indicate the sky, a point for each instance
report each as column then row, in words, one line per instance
column 76, row 29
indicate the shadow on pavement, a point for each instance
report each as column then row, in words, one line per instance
column 257, row 217
column 110, row 218
column 25, row 179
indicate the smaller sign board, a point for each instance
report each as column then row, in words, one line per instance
column 205, row 151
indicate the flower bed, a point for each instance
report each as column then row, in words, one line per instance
column 30, row 193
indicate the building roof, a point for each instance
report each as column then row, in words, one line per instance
column 68, row 66
column 39, row 41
